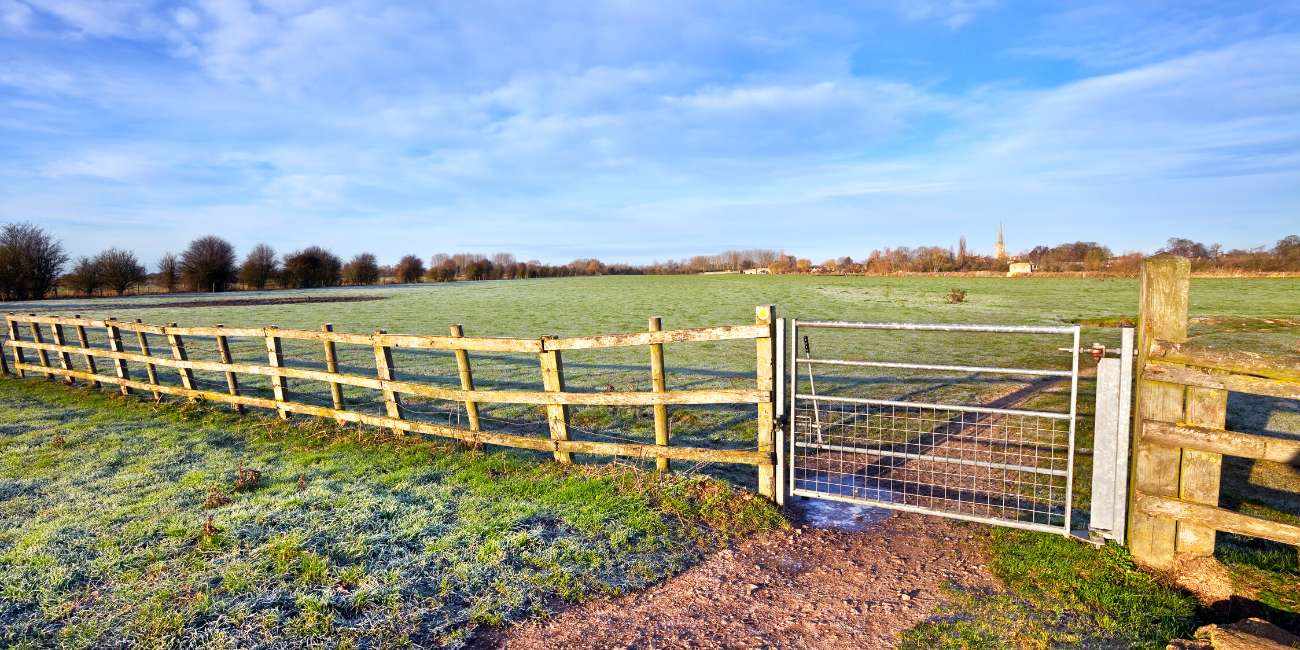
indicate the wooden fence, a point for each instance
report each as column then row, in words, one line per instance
column 54, row 356
column 1180, row 437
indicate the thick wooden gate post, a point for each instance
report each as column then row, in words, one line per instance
column 766, row 369
column 659, row 383
column 1163, row 316
column 557, row 415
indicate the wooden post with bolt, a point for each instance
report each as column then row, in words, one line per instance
column 659, row 384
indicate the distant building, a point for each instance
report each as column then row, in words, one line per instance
column 1020, row 268
column 1000, row 251
column 762, row 270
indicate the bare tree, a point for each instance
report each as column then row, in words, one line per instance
column 363, row 269
column 208, row 264
column 410, row 269
column 84, row 278
column 259, row 267
column 312, row 267
column 30, row 261
column 168, row 272
column 120, row 270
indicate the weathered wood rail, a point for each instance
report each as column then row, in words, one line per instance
column 1180, row 429
column 54, row 358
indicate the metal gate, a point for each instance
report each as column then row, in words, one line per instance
column 981, row 442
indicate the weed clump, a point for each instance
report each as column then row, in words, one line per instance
column 247, row 479
column 216, row 498
column 955, row 296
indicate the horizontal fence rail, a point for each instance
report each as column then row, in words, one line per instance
column 1181, row 424
column 46, row 350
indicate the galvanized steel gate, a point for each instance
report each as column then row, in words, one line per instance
column 966, row 455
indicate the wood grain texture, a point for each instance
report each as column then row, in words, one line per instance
column 1228, row 443
column 1285, row 368
column 1163, row 297
column 1218, row 518
column 1221, row 380
column 1201, row 470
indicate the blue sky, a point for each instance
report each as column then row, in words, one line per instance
column 646, row 130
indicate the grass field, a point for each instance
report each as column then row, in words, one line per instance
column 1255, row 314
column 121, row 525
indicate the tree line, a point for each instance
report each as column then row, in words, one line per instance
column 33, row 265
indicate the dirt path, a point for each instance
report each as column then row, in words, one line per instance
column 807, row 588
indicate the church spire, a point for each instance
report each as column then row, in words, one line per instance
column 1000, row 252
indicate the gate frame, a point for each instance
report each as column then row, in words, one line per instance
column 1072, row 416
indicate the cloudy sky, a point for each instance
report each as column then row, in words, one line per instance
column 641, row 130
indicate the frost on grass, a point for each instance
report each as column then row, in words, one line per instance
column 133, row 532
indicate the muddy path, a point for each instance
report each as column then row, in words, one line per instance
column 801, row 588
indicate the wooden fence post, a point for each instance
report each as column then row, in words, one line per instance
column 466, row 380
column 19, row 358
column 766, row 374
column 178, row 353
column 332, row 366
column 275, row 357
column 1162, row 316
column 65, row 360
column 557, row 415
column 115, row 345
column 659, row 383
column 384, row 369
column 43, row 355
column 4, row 360
column 150, row 370
column 84, row 342
column 232, row 381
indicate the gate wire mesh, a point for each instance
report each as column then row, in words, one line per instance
column 1000, row 466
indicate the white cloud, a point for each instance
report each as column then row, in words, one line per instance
column 110, row 165
column 953, row 13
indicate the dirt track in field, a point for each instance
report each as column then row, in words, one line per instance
column 802, row 588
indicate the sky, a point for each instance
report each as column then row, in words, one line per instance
column 647, row 130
